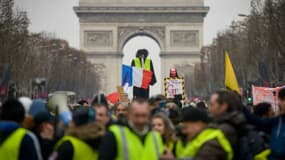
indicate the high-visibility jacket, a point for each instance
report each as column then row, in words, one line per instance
column 191, row 148
column 169, row 145
column 10, row 149
column 146, row 63
column 263, row 155
column 81, row 150
column 130, row 147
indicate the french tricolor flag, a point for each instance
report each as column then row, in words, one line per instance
column 138, row 77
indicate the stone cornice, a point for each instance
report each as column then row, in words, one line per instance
column 180, row 54
column 162, row 54
column 91, row 9
column 104, row 54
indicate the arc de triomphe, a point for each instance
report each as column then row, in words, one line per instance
column 106, row 25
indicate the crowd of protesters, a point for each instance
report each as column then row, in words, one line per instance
column 144, row 129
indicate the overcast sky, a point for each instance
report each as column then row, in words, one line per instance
column 57, row 16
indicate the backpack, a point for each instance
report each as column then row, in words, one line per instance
column 250, row 144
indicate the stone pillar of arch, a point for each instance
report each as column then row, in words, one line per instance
column 106, row 25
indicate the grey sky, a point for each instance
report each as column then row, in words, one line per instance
column 57, row 16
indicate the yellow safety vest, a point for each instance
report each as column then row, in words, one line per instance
column 169, row 145
column 81, row 150
column 130, row 147
column 146, row 63
column 263, row 155
column 191, row 149
column 10, row 149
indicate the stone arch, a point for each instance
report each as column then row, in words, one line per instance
column 106, row 26
column 130, row 47
column 131, row 34
column 158, row 36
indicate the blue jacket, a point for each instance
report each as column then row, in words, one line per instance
column 276, row 128
column 29, row 149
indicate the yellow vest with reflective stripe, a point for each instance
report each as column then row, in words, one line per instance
column 191, row 149
column 130, row 147
column 9, row 150
column 146, row 63
column 81, row 150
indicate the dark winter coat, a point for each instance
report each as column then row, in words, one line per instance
column 276, row 128
column 231, row 124
column 211, row 150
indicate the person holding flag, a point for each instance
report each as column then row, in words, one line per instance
column 140, row 75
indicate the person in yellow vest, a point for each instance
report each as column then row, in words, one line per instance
column 143, row 61
column 162, row 124
column 134, row 141
column 82, row 138
column 16, row 143
column 121, row 112
column 201, row 143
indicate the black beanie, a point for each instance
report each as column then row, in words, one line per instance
column 12, row 110
column 190, row 114
column 83, row 115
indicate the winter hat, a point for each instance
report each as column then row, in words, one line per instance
column 190, row 114
column 83, row 115
column 100, row 100
column 12, row 110
column 44, row 116
column 37, row 106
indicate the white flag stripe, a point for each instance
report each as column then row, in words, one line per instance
column 137, row 76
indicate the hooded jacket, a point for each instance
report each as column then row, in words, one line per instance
column 90, row 134
column 29, row 149
column 232, row 125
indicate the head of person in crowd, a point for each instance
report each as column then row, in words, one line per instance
column 155, row 100
column 173, row 111
column 173, row 73
column 157, row 103
column 193, row 121
column 100, row 100
column 44, row 125
column 82, row 137
column 121, row 110
column 101, row 107
column 139, row 115
column 12, row 110
column 83, row 103
column 162, row 124
column 142, row 53
column 201, row 105
column 84, row 126
column 102, row 114
column 223, row 102
column 281, row 102
column 263, row 109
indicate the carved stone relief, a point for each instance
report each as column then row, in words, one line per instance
column 184, row 38
column 98, row 39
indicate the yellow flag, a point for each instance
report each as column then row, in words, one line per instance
column 230, row 77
